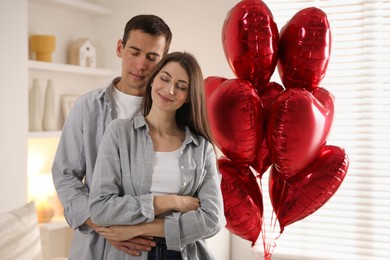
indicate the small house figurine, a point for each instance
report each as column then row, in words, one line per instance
column 82, row 52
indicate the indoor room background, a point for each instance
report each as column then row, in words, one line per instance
column 353, row 224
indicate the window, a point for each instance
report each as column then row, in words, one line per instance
column 355, row 222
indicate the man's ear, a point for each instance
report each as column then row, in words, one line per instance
column 119, row 48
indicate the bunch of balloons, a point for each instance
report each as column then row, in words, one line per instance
column 260, row 125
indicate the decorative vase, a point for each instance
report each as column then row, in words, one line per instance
column 35, row 107
column 49, row 122
column 43, row 46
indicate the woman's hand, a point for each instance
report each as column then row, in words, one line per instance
column 118, row 233
column 167, row 203
column 142, row 230
column 186, row 203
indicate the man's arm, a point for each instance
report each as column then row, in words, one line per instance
column 69, row 170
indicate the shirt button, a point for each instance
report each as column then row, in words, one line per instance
column 184, row 183
column 182, row 167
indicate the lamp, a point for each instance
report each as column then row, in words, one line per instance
column 41, row 188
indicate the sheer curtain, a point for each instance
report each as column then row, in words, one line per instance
column 355, row 222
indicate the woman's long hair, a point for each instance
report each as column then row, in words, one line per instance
column 193, row 113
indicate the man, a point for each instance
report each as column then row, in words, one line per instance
column 145, row 41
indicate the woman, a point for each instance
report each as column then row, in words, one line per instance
column 156, row 175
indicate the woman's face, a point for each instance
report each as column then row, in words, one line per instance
column 170, row 87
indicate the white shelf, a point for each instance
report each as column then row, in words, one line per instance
column 77, row 5
column 55, row 224
column 44, row 134
column 67, row 68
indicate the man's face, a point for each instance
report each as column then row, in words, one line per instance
column 140, row 54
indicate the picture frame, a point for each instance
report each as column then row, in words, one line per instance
column 67, row 102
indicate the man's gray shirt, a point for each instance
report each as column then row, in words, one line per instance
column 74, row 163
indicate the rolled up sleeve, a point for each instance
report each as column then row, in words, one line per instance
column 206, row 221
column 107, row 203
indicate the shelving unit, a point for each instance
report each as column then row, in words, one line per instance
column 67, row 68
column 44, row 134
column 69, row 80
column 65, row 72
column 55, row 224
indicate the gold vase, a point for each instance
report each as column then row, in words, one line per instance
column 43, row 46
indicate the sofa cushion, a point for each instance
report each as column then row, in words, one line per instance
column 19, row 233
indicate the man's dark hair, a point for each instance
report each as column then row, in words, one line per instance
column 150, row 24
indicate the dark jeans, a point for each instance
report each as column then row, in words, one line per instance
column 160, row 251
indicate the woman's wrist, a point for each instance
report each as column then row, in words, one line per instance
column 164, row 203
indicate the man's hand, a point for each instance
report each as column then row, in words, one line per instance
column 134, row 246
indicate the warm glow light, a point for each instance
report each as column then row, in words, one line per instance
column 41, row 153
column 35, row 163
column 40, row 186
column 40, row 189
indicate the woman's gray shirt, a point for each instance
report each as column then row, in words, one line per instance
column 120, row 191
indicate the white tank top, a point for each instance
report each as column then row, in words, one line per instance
column 166, row 177
column 126, row 106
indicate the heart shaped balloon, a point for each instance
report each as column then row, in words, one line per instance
column 243, row 204
column 299, row 196
column 250, row 40
column 211, row 83
column 236, row 118
column 304, row 50
column 297, row 128
column 267, row 95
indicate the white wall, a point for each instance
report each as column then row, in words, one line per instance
column 13, row 105
column 196, row 27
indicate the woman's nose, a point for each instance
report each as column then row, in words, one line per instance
column 172, row 89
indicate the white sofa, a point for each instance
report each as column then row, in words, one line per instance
column 20, row 235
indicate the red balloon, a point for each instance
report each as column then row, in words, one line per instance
column 297, row 128
column 236, row 118
column 250, row 40
column 268, row 95
column 304, row 50
column 211, row 83
column 243, row 204
column 299, row 196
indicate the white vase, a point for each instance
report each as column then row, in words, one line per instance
column 49, row 122
column 35, row 107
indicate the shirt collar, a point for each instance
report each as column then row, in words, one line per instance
column 108, row 89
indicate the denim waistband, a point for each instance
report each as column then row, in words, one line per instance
column 160, row 241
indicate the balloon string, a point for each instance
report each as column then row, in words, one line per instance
column 267, row 253
column 255, row 253
column 269, row 243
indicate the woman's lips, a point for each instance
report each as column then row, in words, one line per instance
column 165, row 99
